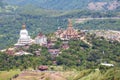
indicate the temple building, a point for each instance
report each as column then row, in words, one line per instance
column 41, row 39
column 24, row 38
column 69, row 33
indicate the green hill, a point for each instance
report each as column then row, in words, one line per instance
column 60, row 4
column 47, row 21
column 47, row 16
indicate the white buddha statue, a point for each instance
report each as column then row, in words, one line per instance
column 24, row 37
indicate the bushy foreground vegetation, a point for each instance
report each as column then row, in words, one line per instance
column 110, row 74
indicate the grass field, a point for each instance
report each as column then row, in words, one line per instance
column 88, row 74
column 6, row 75
column 57, row 75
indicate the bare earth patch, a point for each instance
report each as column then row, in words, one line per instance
column 39, row 75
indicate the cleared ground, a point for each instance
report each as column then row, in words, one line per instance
column 6, row 75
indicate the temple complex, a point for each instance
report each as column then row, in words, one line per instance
column 24, row 38
column 69, row 33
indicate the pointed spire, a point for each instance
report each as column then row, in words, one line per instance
column 69, row 23
column 23, row 26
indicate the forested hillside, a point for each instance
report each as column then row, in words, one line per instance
column 64, row 4
column 47, row 21
column 43, row 20
column 79, row 55
column 84, row 57
column 1, row 4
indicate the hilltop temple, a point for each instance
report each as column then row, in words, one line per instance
column 24, row 38
column 69, row 33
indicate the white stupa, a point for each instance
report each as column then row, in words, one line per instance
column 24, row 37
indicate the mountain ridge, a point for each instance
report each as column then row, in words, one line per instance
column 68, row 5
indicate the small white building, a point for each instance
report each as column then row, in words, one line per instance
column 107, row 64
column 41, row 39
column 20, row 53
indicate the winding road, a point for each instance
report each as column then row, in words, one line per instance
column 81, row 20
